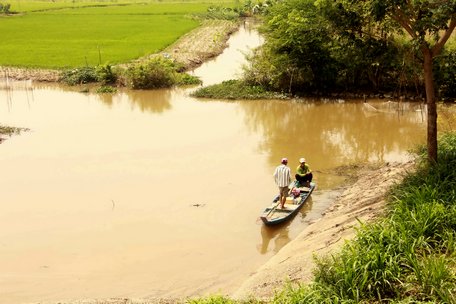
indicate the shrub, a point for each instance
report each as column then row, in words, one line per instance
column 156, row 73
column 187, row 79
column 5, row 8
column 106, row 89
column 105, row 74
column 79, row 76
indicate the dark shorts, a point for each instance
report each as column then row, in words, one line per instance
column 306, row 178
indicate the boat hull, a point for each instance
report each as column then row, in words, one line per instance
column 274, row 215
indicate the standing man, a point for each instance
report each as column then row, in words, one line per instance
column 282, row 177
column 303, row 173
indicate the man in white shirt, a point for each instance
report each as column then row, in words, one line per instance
column 282, row 177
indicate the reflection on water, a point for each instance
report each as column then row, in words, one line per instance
column 279, row 233
column 100, row 194
column 330, row 134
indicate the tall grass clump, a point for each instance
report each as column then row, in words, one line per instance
column 157, row 72
column 408, row 256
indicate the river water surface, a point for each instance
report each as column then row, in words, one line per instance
column 155, row 193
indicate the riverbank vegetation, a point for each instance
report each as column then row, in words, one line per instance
column 8, row 131
column 236, row 89
column 154, row 73
column 337, row 46
column 406, row 256
column 331, row 48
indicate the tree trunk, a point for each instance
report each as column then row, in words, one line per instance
column 431, row 106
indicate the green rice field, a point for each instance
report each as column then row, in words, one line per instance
column 65, row 34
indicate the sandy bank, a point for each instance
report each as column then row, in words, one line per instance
column 294, row 263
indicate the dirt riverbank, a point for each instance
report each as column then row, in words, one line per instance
column 363, row 201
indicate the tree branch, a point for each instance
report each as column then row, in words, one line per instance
column 402, row 20
column 437, row 48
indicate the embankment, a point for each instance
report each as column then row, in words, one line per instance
column 362, row 201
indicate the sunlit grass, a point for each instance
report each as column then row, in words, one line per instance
column 73, row 37
column 21, row 6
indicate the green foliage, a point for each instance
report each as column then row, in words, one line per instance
column 296, row 48
column 79, row 76
column 153, row 74
column 187, row 79
column 235, row 89
column 106, row 89
column 105, row 74
column 220, row 12
column 319, row 47
column 157, row 72
column 5, row 8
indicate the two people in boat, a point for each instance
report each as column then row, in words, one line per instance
column 282, row 177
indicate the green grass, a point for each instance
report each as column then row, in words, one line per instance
column 236, row 89
column 72, row 37
column 21, row 6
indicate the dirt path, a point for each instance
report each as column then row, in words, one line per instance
column 192, row 49
column 294, row 263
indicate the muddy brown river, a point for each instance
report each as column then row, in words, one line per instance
column 156, row 193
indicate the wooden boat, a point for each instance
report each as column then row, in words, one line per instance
column 274, row 214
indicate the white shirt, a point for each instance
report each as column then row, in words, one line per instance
column 282, row 176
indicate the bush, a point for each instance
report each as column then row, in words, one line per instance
column 79, row 76
column 106, row 89
column 187, row 79
column 156, row 73
column 5, row 8
column 105, row 74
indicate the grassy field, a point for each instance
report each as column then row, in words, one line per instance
column 64, row 34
